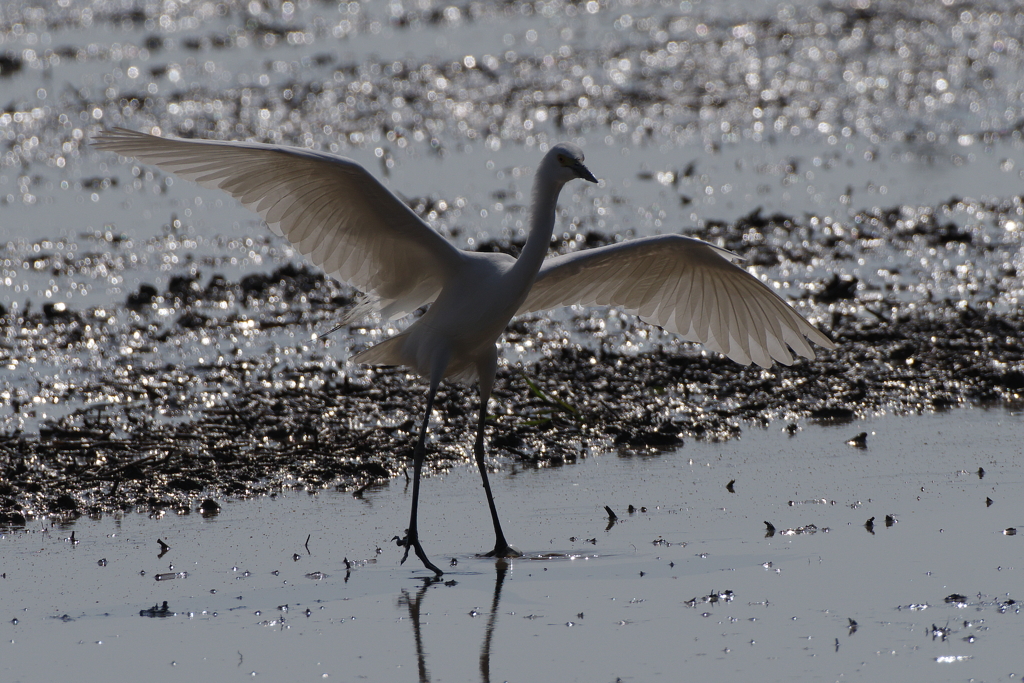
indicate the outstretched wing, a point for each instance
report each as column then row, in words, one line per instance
column 686, row 286
column 331, row 209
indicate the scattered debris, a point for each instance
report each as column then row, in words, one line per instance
column 859, row 441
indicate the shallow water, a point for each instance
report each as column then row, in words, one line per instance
column 688, row 583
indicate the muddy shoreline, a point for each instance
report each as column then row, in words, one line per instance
column 165, row 358
column 171, row 436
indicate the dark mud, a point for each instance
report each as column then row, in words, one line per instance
column 165, row 436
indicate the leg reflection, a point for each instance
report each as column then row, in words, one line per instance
column 500, row 568
column 413, row 603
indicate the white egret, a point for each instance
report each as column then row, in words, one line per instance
column 346, row 222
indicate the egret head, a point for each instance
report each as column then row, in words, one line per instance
column 565, row 162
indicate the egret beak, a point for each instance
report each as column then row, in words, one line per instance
column 584, row 172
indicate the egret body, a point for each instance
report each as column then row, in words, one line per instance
column 342, row 219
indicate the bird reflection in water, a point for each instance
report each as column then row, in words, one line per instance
column 414, row 603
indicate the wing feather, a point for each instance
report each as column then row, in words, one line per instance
column 331, row 209
column 647, row 289
column 755, row 337
column 700, row 323
column 688, row 287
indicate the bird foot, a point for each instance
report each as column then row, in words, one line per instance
column 403, row 543
column 505, row 551
column 412, row 541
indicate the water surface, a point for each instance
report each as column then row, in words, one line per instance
column 689, row 582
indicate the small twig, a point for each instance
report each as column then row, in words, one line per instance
column 877, row 314
column 323, row 337
column 556, row 403
column 139, row 462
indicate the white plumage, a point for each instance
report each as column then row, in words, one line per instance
column 341, row 218
column 686, row 286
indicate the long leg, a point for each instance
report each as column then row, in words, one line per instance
column 486, row 373
column 412, row 537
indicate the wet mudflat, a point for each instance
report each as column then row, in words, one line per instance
column 157, row 343
column 687, row 582
column 158, row 354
